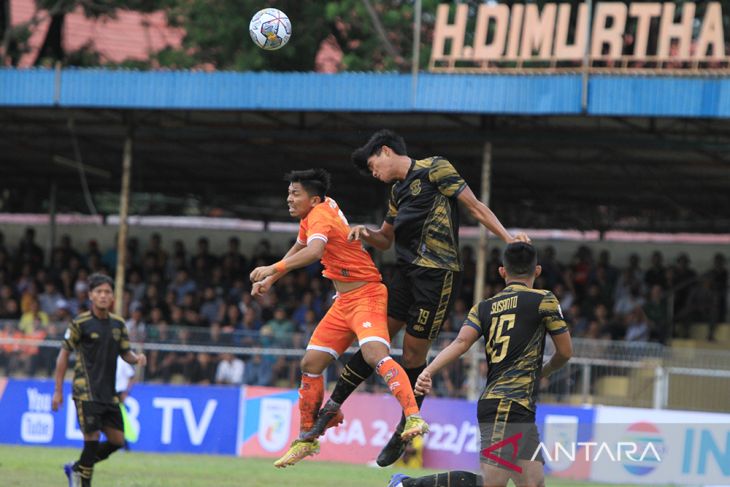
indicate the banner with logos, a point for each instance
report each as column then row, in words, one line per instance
column 644, row 446
column 271, row 423
column 600, row 444
column 186, row 419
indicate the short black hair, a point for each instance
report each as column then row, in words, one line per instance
column 375, row 144
column 519, row 259
column 316, row 182
column 97, row 279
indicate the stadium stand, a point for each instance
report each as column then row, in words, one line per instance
column 184, row 299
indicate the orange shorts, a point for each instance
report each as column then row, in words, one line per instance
column 361, row 313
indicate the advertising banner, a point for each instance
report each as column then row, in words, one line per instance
column 643, row 446
column 271, row 423
column 565, row 425
column 167, row 418
column 601, row 444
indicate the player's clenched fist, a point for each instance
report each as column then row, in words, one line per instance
column 423, row 383
column 260, row 288
column 262, row 272
column 357, row 232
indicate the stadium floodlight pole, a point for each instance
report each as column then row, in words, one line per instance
column 481, row 267
column 123, row 213
column 415, row 61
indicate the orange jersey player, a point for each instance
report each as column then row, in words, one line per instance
column 359, row 310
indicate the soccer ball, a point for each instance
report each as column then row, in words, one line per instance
column 270, row 29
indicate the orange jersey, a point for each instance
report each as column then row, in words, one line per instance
column 342, row 260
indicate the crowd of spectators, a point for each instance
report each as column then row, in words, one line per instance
column 199, row 298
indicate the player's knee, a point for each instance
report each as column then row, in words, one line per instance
column 315, row 363
column 308, row 365
column 414, row 356
column 374, row 353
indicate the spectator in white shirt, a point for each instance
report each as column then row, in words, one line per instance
column 230, row 370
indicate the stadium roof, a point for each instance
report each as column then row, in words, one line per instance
column 627, row 95
column 647, row 153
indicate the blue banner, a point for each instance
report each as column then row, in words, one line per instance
column 185, row 419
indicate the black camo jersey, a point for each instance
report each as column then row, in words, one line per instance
column 514, row 323
column 97, row 344
column 423, row 211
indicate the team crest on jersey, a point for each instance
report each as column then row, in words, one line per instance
column 117, row 334
column 415, row 187
column 94, row 336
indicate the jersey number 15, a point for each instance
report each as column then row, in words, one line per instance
column 498, row 343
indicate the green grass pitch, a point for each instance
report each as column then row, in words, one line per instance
column 22, row 466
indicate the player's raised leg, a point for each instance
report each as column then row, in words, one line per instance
column 311, row 393
column 415, row 351
column 355, row 372
column 367, row 315
column 331, row 337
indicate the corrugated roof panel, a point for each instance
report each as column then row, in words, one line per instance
column 26, row 87
column 369, row 92
column 659, row 96
column 499, row 93
column 243, row 91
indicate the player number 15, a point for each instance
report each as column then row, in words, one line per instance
column 498, row 343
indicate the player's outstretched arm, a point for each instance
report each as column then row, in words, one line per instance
column 461, row 344
column 61, row 366
column 309, row 254
column 381, row 239
column 563, row 353
column 486, row 217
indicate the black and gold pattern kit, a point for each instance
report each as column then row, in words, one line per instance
column 424, row 213
column 514, row 324
column 97, row 343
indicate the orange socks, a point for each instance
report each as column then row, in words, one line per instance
column 398, row 383
column 311, row 393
